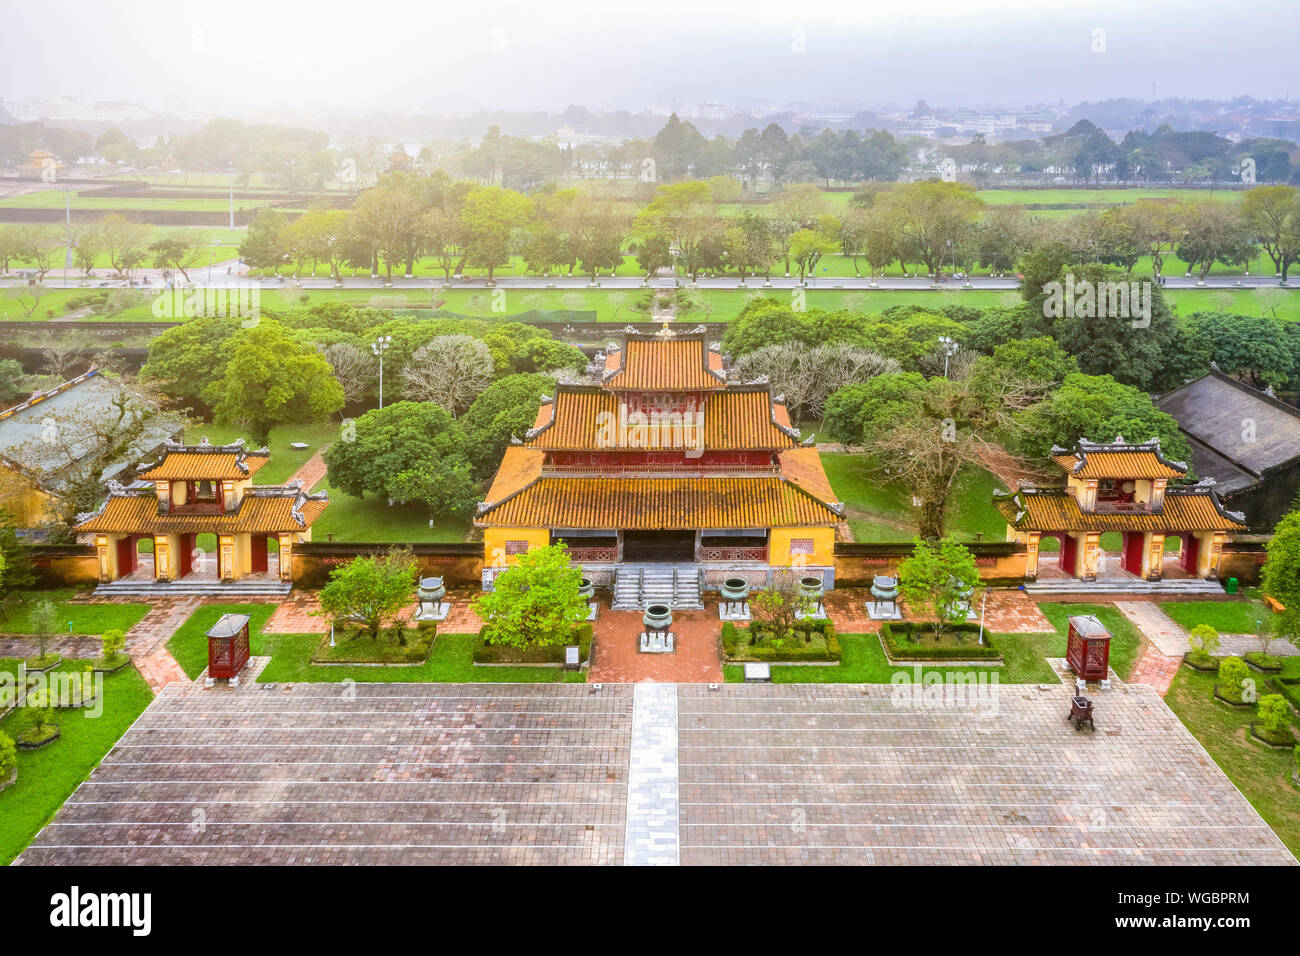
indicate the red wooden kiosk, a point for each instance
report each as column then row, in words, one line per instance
column 1088, row 649
column 228, row 646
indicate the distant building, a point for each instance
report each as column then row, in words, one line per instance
column 1246, row 440
column 35, row 459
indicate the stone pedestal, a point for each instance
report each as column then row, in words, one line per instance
column 657, row 642
column 884, row 611
column 436, row 611
column 734, row 611
column 816, row 614
column 592, row 608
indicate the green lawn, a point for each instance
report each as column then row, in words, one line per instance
column 1226, row 617
column 91, row 619
column 284, row 460
column 1261, row 773
column 372, row 519
column 884, row 512
column 450, row 661
column 47, row 777
column 53, row 199
column 863, row 659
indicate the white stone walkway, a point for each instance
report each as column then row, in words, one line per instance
column 651, row 837
column 1158, row 627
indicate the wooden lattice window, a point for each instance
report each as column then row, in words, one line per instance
column 802, row 546
column 516, row 547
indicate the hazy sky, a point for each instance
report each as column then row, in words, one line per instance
column 236, row 55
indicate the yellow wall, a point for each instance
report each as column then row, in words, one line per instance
column 778, row 552
column 19, row 496
column 494, row 543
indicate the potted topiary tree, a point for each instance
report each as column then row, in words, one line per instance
column 1235, row 686
column 112, row 651
column 8, row 761
column 45, row 624
column 1205, row 641
column 1271, row 724
column 41, row 730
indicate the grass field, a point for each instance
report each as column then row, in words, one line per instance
column 450, row 661
column 284, row 460
column 1226, row 617
column 47, row 777
column 1024, row 655
column 881, row 512
column 374, row 520
column 53, row 199
column 92, row 619
column 1262, row 774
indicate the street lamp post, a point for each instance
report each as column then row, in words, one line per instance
column 950, row 347
column 379, row 347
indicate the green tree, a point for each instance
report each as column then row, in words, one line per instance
column 1280, row 577
column 186, row 359
column 44, row 624
column 1204, row 640
column 181, row 250
column 536, row 602
column 1233, row 675
column 779, row 607
column 367, row 592
column 507, row 407
column 933, row 580
column 391, row 452
column 8, row 757
column 271, row 379
column 263, row 245
column 488, row 219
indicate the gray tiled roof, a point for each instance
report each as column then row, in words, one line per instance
column 1246, row 429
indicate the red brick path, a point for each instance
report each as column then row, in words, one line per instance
column 311, row 471
column 697, row 660
column 1154, row 669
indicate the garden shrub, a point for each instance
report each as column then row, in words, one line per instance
column 111, row 643
column 1271, row 715
column 907, row 641
column 8, row 756
column 1232, row 677
column 485, row 653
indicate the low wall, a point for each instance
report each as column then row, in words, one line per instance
column 1242, row 560
column 856, row 563
column 458, row 563
column 62, row 566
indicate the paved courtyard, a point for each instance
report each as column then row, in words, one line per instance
column 564, row 774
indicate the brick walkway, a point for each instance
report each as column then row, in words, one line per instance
column 1007, row 612
column 311, row 471
column 1155, row 669
column 297, row 614
column 615, row 657
column 1156, row 626
column 147, row 641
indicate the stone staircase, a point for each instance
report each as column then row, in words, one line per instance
column 637, row 585
column 1123, row 586
column 233, row 590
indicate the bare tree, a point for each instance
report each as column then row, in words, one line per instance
column 62, row 356
column 353, row 367
column 806, row 375
column 28, row 297
column 450, row 370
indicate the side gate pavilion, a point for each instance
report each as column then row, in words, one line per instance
column 1123, row 488
column 202, row 489
column 664, row 479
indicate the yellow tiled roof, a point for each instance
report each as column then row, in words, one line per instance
column 658, row 504
column 257, row 514
column 519, row 467
column 803, row 466
column 1185, row 509
column 663, row 364
column 734, row 420
column 205, row 466
column 1121, row 461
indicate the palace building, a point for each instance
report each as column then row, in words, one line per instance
column 202, row 489
column 662, row 475
column 1120, row 488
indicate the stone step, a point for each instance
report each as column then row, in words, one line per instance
column 233, row 590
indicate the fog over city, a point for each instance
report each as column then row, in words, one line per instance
column 243, row 57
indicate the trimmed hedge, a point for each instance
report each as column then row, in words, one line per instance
column 353, row 648
column 902, row 644
column 485, row 653
column 736, row 645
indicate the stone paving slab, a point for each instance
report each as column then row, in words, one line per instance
column 361, row 773
column 280, row 774
column 841, row 774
